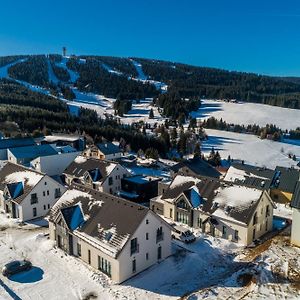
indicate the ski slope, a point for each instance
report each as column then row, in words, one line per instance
column 250, row 148
column 249, row 113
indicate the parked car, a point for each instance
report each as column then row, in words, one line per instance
column 183, row 234
column 16, row 266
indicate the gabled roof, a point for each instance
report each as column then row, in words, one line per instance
column 248, row 175
column 198, row 166
column 11, row 175
column 32, row 152
column 295, row 203
column 108, row 148
column 286, row 179
column 220, row 199
column 96, row 168
column 16, row 142
column 109, row 220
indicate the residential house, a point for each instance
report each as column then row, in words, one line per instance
column 238, row 213
column 284, row 184
column 6, row 144
column 26, row 194
column 101, row 175
column 195, row 167
column 295, row 204
column 139, row 188
column 113, row 235
column 75, row 141
column 105, row 150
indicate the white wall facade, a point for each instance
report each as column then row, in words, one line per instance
column 295, row 237
column 54, row 164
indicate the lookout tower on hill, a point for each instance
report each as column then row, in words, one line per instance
column 64, row 50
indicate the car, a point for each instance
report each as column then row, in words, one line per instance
column 183, row 234
column 16, row 266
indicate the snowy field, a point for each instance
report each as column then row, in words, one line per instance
column 249, row 113
column 250, row 148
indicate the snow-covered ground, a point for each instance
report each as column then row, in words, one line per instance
column 63, row 64
column 249, row 113
column 250, row 148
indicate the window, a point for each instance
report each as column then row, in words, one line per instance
column 48, row 193
column 183, row 218
column 182, row 204
column 159, row 234
column 159, row 252
column 134, row 266
column 104, row 266
column 171, row 212
column 255, row 219
column 34, row 212
column 134, row 246
column 224, row 229
column 34, row 198
column 147, row 236
column 45, row 207
column 48, row 206
column 147, row 256
column 147, row 221
column 57, row 193
column 89, row 256
column 110, row 180
column 44, row 193
column 78, row 249
column 267, row 225
column 267, row 211
column 59, row 242
column 236, row 235
column 199, row 222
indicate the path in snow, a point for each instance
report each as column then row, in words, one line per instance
column 63, row 64
column 244, row 113
column 51, row 75
column 139, row 69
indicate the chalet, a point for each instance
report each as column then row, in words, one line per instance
column 237, row 213
column 26, row 194
column 105, row 150
column 195, row 167
column 101, row 175
column 112, row 235
column 295, row 204
column 6, row 144
column 139, row 188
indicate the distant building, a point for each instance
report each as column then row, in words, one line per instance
column 106, row 150
column 76, row 141
column 101, row 175
column 139, row 188
column 112, row 235
column 295, row 204
column 237, row 213
column 196, row 167
column 26, row 194
column 6, row 144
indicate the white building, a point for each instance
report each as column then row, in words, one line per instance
column 101, row 175
column 114, row 236
column 295, row 238
column 237, row 213
column 26, row 194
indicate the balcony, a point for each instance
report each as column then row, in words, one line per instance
column 134, row 249
column 159, row 237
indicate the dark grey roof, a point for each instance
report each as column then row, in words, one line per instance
column 296, row 197
column 208, row 189
column 107, row 212
column 108, row 148
column 16, row 142
column 262, row 178
column 91, row 165
column 286, row 179
column 11, row 168
column 198, row 166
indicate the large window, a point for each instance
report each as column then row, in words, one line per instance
column 57, row 193
column 34, row 198
column 110, row 180
column 159, row 234
column 104, row 266
column 182, row 217
column 182, row 204
column 134, row 246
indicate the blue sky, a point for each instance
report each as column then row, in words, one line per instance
column 255, row 36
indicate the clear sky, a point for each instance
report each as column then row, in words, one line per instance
column 261, row 36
